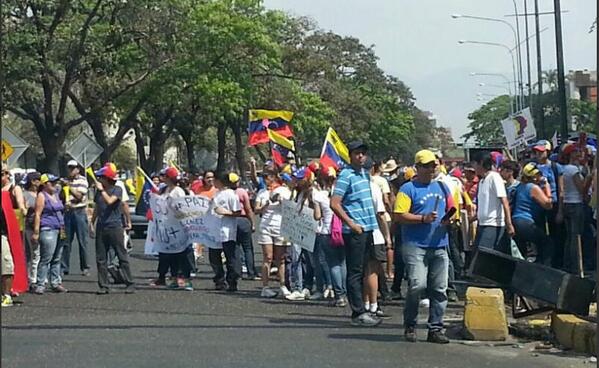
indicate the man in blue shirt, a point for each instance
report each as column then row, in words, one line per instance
column 419, row 209
column 352, row 203
column 553, row 172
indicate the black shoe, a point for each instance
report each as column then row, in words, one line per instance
column 220, row 287
column 232, row 288
column 103, row 291
column 410, row 334
column 380, row 314
column 130, row 289
column 365, row 320
column 438, row 337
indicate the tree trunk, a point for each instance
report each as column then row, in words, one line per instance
column 222, row 145
column 190, row 152
column 239, row 148
column 140, row 146
column 52, row 145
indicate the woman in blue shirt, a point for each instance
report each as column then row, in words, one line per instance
column 528, row 204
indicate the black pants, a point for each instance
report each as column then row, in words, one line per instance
column 456, row 263
column 557, row 234
column 399, row 266
column 527, row 231
column 356, row 258
column 244, row 239
column 178, row 263
column 233, row 263
column 107, row 238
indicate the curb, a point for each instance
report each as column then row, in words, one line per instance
column 575, row 333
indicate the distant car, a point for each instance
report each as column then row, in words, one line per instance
column 139, row 223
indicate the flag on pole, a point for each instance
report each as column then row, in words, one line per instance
column 262, row 120
column 90, row 172
column 334, row 152
column 280, row 140
column 143, row 187
column 279, row 154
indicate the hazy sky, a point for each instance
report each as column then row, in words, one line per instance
column 416, row 40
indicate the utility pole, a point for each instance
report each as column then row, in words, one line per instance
column 561, row 83
column 540, row 113
column 528, row 55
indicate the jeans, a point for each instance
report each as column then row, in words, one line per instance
column 75, row 222
column 105, row 239
column 492, row 237
column 232, row 261
column 528, row 231
column 50, row 252
column 296, row 272
column 427, row 270
column 33, row 256
column 317, row 268
column 178, row 263
column 399, row 266
column 557, row 234
column 356, row 257
column 574, row 220
column 244, row 239
column 335, row 260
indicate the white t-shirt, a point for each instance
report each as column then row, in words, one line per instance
column 321, row 197
column 571, row 193
column 175, row 192
column 379, row 207
column 383, row 185
column 272, row 216
column 490, row 209
column 228, row 200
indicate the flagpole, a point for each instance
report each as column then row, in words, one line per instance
column 147, row 178
column 324, row 145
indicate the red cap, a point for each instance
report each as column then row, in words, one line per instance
column 569, row 148
column 456, row 172
column 172, row 173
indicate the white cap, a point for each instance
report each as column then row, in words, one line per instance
column 72, row 163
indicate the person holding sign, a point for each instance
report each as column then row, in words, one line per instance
column 268, row 204
column 226, row 204
column 418, row 206
column 109, row 231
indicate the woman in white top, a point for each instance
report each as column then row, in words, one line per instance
column 227, row 205
column 274, row 248
column 572, row 206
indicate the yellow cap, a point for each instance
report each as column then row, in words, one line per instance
column 47, row 178
column 409, row 173
column 233, row 178
column 530, row 170
column 424, row 157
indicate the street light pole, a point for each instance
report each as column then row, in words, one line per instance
column 527, row 55
column 561, row 83
column 519, row 52
column 540, row 113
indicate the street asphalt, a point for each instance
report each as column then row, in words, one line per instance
column 206, row 328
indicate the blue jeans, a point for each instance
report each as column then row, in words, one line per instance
column 296, row 273
column 527, row 231
column 492, row 237
column 427, row 270
column 50, row 253
column 335, row 260
column 574, row 220
column 317, row 268
column 244, row 239
column 75, row 222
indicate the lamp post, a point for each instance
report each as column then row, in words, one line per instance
column 519, row 106
column 507, row 82
column 515, row 32
column 561, row 84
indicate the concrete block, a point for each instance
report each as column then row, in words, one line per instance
column 575, row 333
column 484, row 314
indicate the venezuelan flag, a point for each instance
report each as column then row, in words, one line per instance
column 279, row 139
column 143, row 187
column 334, row 152
column 279, row 154
column 262, row 120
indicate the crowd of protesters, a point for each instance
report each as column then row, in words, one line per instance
column 378, row 223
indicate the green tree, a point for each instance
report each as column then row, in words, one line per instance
column 485, row 125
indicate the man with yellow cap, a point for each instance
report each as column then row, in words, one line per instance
column 419, row 209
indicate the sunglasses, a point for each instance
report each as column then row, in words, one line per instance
column 430, row 165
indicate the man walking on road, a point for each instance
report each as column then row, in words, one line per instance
column 352, row 202
column 419, row 209
column 76, row 219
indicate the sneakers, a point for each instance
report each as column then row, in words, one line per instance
column 274, row 270
column 103, row 291
column 39, row 290
column 425, row 303
column 188, row 285
column 296, row 295
column 284, row 291
column 317, row 296
column 306, row 292
column 365, row 320
column 244, row 269
column 437, row 337
column 59, row 289
column 452, row 296
column 329, row 293
column 130, row 289
column 380, row 314
column 341, row 302
column 268, row 292
column 7, row 301
column 410, row 334
column 85, row 272
column 192, row 274
column 173, row 285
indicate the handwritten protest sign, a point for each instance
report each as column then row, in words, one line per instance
column 298, row 225
column 181, row 221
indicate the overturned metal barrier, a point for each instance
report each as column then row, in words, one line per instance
column 561, row 290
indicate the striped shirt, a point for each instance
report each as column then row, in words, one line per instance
column 79, row 183
column 353, row 186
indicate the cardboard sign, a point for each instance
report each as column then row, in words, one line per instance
column 298, row 224
column 519, row 128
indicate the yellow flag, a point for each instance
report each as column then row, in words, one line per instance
column 90, row 172
column 280, row 140
column 338, row 145
column 257, row 115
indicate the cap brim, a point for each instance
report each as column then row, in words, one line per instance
column 360, row 147
column 540, row 148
